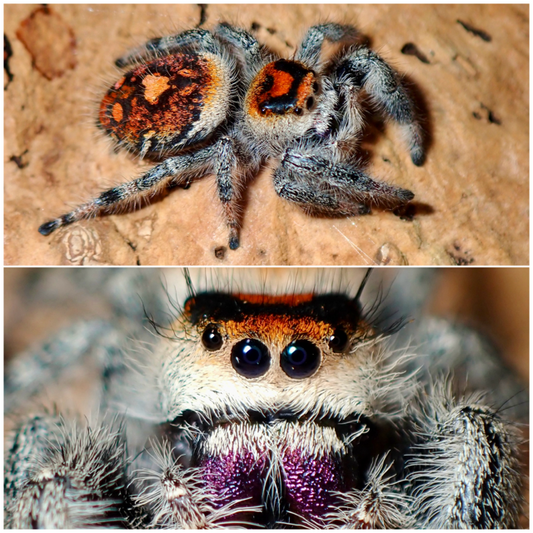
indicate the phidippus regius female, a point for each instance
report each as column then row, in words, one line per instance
column 293, row 406
column 218, row 102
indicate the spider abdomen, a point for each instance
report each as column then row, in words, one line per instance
column 167, row 104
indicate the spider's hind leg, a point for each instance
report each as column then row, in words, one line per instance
column 178, row 170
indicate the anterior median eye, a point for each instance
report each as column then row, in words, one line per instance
column 300, row 359
column 250, row 358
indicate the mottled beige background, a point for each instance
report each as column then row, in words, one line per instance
column 471, row 195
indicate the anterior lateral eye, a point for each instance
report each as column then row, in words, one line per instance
column 211, row 338
column 300, row 359
column 250, row 358
column 338, row 340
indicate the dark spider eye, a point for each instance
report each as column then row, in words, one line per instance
column 211, row 338
column 315, row 87
column 300, row 359
column 250, row 358
column 298, row 111
column 262, row 110
column 338, row 340
column 310, row 102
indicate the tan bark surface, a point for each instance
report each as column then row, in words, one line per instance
column 471, row 204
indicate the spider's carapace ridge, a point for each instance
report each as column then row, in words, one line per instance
column 217, row 102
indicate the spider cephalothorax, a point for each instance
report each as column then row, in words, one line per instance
column 217, row 102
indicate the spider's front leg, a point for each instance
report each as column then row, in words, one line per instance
column 362, row 68
column 311, row 47
column 60, row 475
column 379, row 505
column 464, row 466
column 171, row 496
column 179, row 171
column 325, row 187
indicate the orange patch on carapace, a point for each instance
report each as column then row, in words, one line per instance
column 271, row 299
column 277, row 328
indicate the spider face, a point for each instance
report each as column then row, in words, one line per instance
column 272, row 353
column 217, row 102
column 263, row 380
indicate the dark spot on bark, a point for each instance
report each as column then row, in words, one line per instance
column 458, row 257
column 220, row 252
column 410, row 49
column 475, row 31
column 17, row 159
column 490, row 116
column 8, row 52
column 203, row 14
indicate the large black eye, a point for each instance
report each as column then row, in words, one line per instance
column 250, row 358
column 298, row 111
column 211, row 338
column 300, row 359
column 338, row 340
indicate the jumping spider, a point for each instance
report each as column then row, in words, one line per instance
column 218, row 102
column 294, row 409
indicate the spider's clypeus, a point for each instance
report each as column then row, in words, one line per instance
column 218, row 102
column 329, row 405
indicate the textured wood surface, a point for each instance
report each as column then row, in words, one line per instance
column 467, row 64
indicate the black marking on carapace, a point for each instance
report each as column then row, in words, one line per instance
column 221, row 307
column 279, row 105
